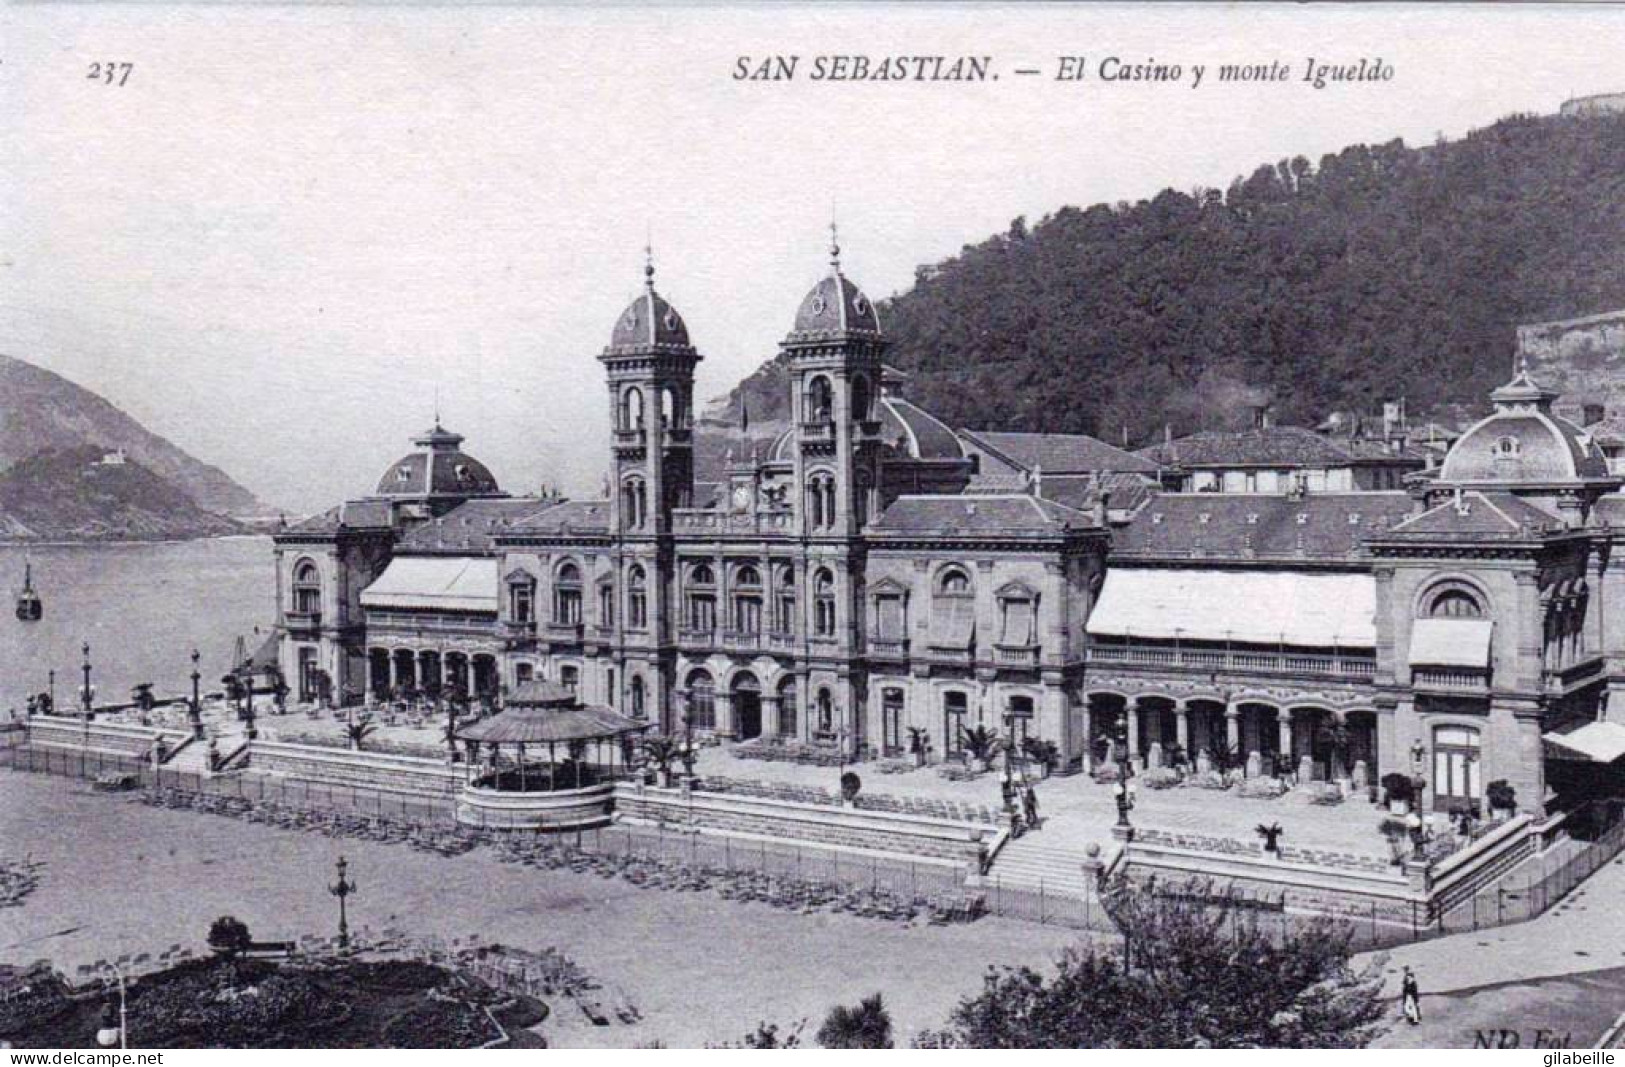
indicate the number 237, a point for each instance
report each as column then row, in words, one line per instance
column 111, row 73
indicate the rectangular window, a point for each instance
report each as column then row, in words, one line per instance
column 889, row 621
column 1018, row 623
column 787, row 614
column 567, row 607
column 702, row 612
column 637, row 610
column 521, row 603
column 606, row 606
column 748, row 614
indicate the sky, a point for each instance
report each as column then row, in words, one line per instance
column 292, row 230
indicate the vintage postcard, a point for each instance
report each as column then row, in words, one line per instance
column 811, row 525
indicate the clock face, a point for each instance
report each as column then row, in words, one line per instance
column 741, row 497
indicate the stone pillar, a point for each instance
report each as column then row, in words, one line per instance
column 1182, row 726
column 1136, row 750
column 770, row 715
column 1283, row 722
column 1088, row 738
column 1232, row 725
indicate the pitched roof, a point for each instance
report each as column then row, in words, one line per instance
column 951, row 515
column 1059, row 453
column 568, row 516
column 1479, row 515
column 352, row 514
column 1247, row 526
column 472, row 526
column 1123, row 491
column 1274, row 446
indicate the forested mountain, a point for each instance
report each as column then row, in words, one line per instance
column 1380, row 271
column 41, row 411
column 86, row 494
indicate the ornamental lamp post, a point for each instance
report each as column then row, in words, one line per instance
column 248, row 698
column 50, row 688
column 195, row 709
column 85, row 695
column 342, row 889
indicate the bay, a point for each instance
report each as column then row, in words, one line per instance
column 142, row 607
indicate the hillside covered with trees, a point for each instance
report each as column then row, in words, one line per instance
column 1380, row 271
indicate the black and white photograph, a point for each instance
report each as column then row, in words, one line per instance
column 811, row 525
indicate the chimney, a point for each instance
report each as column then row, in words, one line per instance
column 1261, row 417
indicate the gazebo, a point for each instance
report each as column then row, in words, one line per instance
column 510, row 787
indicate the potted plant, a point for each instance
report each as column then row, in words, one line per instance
column 1271, row 835
column 982, row 744
column 1400, row 791
column 1503, row 799
column 919, row 743
column 358, row 730
column 1041, row 753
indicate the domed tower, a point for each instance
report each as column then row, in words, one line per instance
column 834, row 352
column 435, row 477
column 650, row 366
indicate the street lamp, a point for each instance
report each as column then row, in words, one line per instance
column 50, row 688
column 248, row 697
column 85, row 696
column 342, row 889
column 123, row 1007
column 195, row 711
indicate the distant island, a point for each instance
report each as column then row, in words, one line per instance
column 75, row 468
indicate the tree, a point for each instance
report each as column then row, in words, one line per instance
column 229, row 936
column 358, row 730
column 866, row 1026
column 1194, row 970
column 662, row 752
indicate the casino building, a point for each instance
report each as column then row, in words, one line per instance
column 877, row 580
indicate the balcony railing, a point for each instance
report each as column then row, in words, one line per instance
column 1238, row 660
column 689, row 636
column 1563, row 679
column 781, row 641
column 949, row 654
column 742, row 640
column 517, row 628
column 302, row 622
column 564, row 631
column 1016, row 655
column 818, row 431
column 1450, row 679
column 890, row 648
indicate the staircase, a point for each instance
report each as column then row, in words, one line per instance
column 191, row 758
column 1037, row 861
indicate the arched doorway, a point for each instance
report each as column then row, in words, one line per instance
column 1108, row 717
column 746, row 697
column 378, row 668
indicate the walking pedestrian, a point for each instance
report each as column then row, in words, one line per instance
column 1029, row 801
column 1410, row 996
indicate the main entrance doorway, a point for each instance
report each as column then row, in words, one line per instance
column 747, row 706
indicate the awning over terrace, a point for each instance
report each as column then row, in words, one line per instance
column 1595, row 742
column 435, row 583
column 1257, row 607
column 1451, row 643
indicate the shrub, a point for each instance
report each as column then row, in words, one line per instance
column 851, row 785
column 1209, row 780
column 1161, row 778
column 1501, row 795
column 1398, row 787
column 229, row 936
column 866, row 1026
column 1262, row 788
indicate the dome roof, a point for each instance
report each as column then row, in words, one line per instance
column 909, row 431
column 836, row 306
column 439, row 467
column 649, row 322
column 1523, row 442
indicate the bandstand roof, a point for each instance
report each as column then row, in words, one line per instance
column 444, row 583
column 1258, row 607
column 538, row 724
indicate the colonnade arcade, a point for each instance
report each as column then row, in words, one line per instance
column 431, row 670
column 1312, row 742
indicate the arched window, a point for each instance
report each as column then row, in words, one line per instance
column 788, row 712
column 1506, row 446
column 747, row 600
column 606, row 604
column 567, row 595
column 824, row 603
column 632, row 408
column 307, row 587
column 784, row 622
column 634, row 504
column 954, row 582
column 702, row 701
column 638, row 698
column 1455, row 604
column 820, row 400
column 860, row 398
column 702, row 598
column 637, row 599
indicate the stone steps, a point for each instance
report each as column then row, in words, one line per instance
column 1031, row 862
